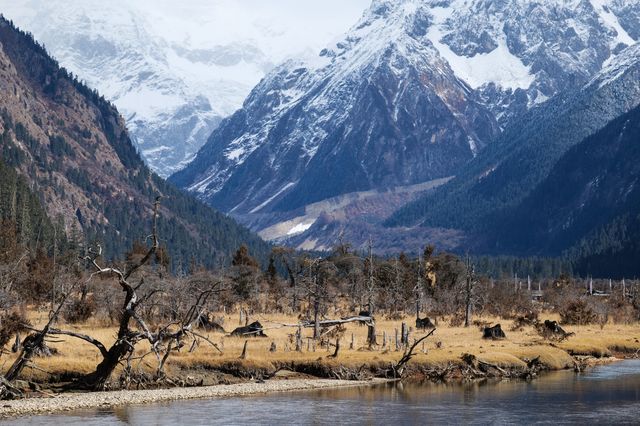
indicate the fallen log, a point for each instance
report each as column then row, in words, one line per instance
column 8, row 391
column 328, row 323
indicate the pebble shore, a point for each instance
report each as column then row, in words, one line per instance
column 80, row 401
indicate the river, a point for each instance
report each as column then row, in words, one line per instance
column 604, row 395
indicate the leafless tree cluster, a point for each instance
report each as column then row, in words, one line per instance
column 141, row 302
column 158, row 311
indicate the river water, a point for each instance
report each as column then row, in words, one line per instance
column 604, row 395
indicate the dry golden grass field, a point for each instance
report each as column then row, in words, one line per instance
column 446, row 345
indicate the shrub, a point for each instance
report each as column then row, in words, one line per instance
column 10, row 325
column 578, row 312
column 80, row 310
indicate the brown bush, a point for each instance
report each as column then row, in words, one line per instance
column 10, row 325
column 505, row 302
column 37, row 284
column 622, row 311
column 578, row 312
column 80, row 310
column 456, row 320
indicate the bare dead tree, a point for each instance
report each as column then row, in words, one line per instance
column 398, row 368
column 470, row 284
column 127, row 336
column 285, row 255
column 29, row 350
column 316, row 285
column 371, row 283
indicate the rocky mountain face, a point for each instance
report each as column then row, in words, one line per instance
column 519, row 53
column 379, row 109
column 74, row 150
column 411, row 94
column 500, row 197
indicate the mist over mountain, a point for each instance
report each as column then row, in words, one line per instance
column 174, row 70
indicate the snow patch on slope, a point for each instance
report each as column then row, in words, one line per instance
column 611, row 21
column 300, row 228
column 499, row 66
column 284, row 188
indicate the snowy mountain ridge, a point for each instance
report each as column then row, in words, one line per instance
column 410, row 94
column 518, row 53
column 308, row 113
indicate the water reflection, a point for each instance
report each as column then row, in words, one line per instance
column 609, row 394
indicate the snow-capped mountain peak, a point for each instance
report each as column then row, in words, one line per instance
column 381, row 90
column 411, row 93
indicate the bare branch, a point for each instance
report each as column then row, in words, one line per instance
column 205, row 339
column 398, row 369
column 154, row 245
column 89, row 339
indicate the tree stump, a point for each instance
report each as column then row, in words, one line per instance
column 371, row 335
column 299, row 340
column 397, row 341
column 17, row 344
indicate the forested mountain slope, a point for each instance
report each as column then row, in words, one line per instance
column 590, row 202
column 73, row 149
column 505, row 173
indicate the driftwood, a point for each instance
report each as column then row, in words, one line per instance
column 366, row 320
column 8, row 391
column 328, row 323
column 481, row 367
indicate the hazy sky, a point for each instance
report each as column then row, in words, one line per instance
column 278, row 27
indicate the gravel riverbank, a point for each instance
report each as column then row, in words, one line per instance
column 69, row 402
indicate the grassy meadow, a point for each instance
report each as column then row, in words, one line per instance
column 448, row 343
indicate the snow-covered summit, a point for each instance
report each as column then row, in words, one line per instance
column 380, row 106
column 413, row 91
column 517, row 53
